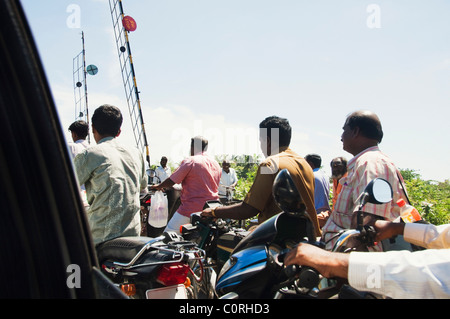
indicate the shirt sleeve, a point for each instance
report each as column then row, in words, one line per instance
column 402, row 274
column 427, row 235
column 81, row 167
column 260, row 191
column 181, row 172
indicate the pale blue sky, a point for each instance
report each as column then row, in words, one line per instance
column 219, row 67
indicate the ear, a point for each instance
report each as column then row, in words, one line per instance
column 118, row 133
column 355, row 131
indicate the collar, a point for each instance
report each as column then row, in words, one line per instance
column 351, row 162
column 106, row 139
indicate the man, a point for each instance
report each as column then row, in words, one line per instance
column 163, row 171
column 275, row 137
column 397, row 274
column 338, row 170
column 362, row 134
column 199, row 176
column 228, row 181
column 79, row 130
column 322, row 184
column 114, row 176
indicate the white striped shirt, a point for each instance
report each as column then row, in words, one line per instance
column 364, row 167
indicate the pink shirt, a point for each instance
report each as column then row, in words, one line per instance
column 199, row 176
column 363, row 168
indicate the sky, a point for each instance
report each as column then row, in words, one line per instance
column 217, row 68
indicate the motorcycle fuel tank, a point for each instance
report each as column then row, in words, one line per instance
column 240, row 268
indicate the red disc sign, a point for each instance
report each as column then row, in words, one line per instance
column 129, row 24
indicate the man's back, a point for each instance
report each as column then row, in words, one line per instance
column 200, row 177
column 363, row 168
column 113, row 176
column 260, row 194
column 321, row 191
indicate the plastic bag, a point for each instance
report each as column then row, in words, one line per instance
column 159, row 210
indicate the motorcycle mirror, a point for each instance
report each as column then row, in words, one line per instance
column 287, row 195
column 151, row 172
column 378, row 191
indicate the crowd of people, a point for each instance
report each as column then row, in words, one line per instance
column 114, row 177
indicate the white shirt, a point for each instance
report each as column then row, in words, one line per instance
column 227, row 179
column 76, row 147
column 163, row 173
column 421, row 274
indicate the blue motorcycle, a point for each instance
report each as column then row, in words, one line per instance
column 255, row 269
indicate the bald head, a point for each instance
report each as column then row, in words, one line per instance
column 368, row 123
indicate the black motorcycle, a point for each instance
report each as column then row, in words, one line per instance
column 151, row 268
column 217, row 238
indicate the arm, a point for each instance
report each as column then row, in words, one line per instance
column 329, row 264
column 166, row 184
column 424, row 235
column 236, row 211
column 402, row 274
column 397, row 274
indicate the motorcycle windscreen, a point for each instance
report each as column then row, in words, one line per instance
column 276, row 230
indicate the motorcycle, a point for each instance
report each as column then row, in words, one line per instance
column 217, row 237
column 255, row 268
column 151, row 268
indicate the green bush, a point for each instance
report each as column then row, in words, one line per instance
column 430, row 198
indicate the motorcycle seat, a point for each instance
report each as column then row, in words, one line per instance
column 122, row 249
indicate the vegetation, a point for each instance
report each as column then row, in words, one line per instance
column 430, row 198
column 246, row 167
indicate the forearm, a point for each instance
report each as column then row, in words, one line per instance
column 166, row 184
column 238, row 211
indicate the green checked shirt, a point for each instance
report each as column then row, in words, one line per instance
column 113, row 175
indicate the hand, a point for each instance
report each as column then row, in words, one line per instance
column 154, row 187
column 386, row 229
column 207, row 212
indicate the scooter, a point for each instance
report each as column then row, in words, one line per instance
column 151, row 268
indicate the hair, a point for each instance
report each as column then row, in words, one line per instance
column 315, row 159
column 107, row 120
column 341, row 158
column 197, row 141
column 283, row 126
column 80, row 128
column 369, row 126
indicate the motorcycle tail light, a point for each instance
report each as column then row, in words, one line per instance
column 173, row 274
column 128, row 289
